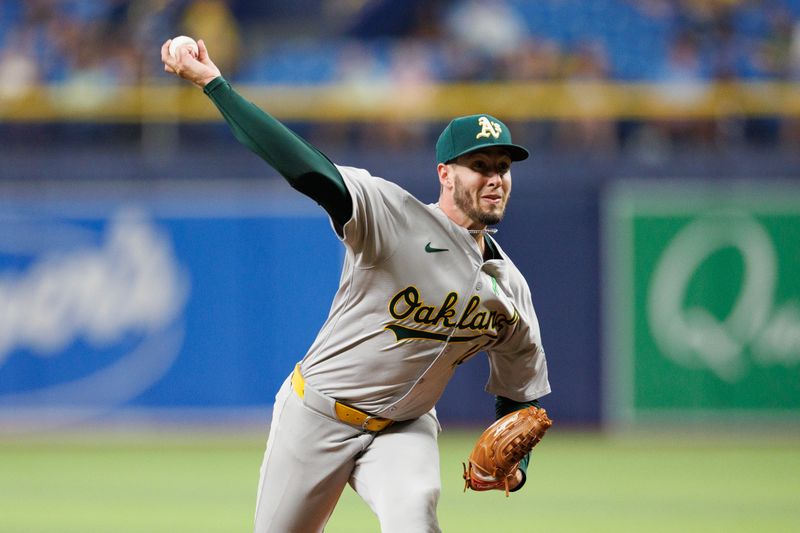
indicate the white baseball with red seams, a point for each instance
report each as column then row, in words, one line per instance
column 181, row 41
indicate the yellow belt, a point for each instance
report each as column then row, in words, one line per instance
column 345, row 413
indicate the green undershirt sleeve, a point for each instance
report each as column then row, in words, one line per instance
column 504, row 406
column 305, row 168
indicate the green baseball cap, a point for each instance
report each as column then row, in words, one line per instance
column 475, row 132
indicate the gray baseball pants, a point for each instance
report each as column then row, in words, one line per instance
column 311, row 456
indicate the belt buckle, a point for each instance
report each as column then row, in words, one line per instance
column 366, row 421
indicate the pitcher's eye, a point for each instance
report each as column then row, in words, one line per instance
column 480, row 166
column 503, row 168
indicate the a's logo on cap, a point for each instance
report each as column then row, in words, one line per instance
column 488, row 128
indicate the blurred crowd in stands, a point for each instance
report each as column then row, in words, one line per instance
column 110, row 42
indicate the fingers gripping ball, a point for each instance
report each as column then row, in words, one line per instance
column 495, row 458
column 180, row 42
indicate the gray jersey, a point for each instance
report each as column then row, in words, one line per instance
column 415, row 300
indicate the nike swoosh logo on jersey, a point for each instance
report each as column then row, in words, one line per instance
column 430, row 249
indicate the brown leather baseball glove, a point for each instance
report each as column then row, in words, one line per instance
column 495, row 458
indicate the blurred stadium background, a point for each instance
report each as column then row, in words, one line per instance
column 153, row 293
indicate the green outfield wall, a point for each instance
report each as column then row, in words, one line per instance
column 702, row 301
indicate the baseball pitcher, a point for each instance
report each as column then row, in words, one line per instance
column 424, row 287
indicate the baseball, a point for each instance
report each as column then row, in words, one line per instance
column 181, row 41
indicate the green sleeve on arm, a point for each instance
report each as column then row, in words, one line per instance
column 504, row 406
column 304, row 167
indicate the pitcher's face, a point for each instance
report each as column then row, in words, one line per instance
column 482, row 185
